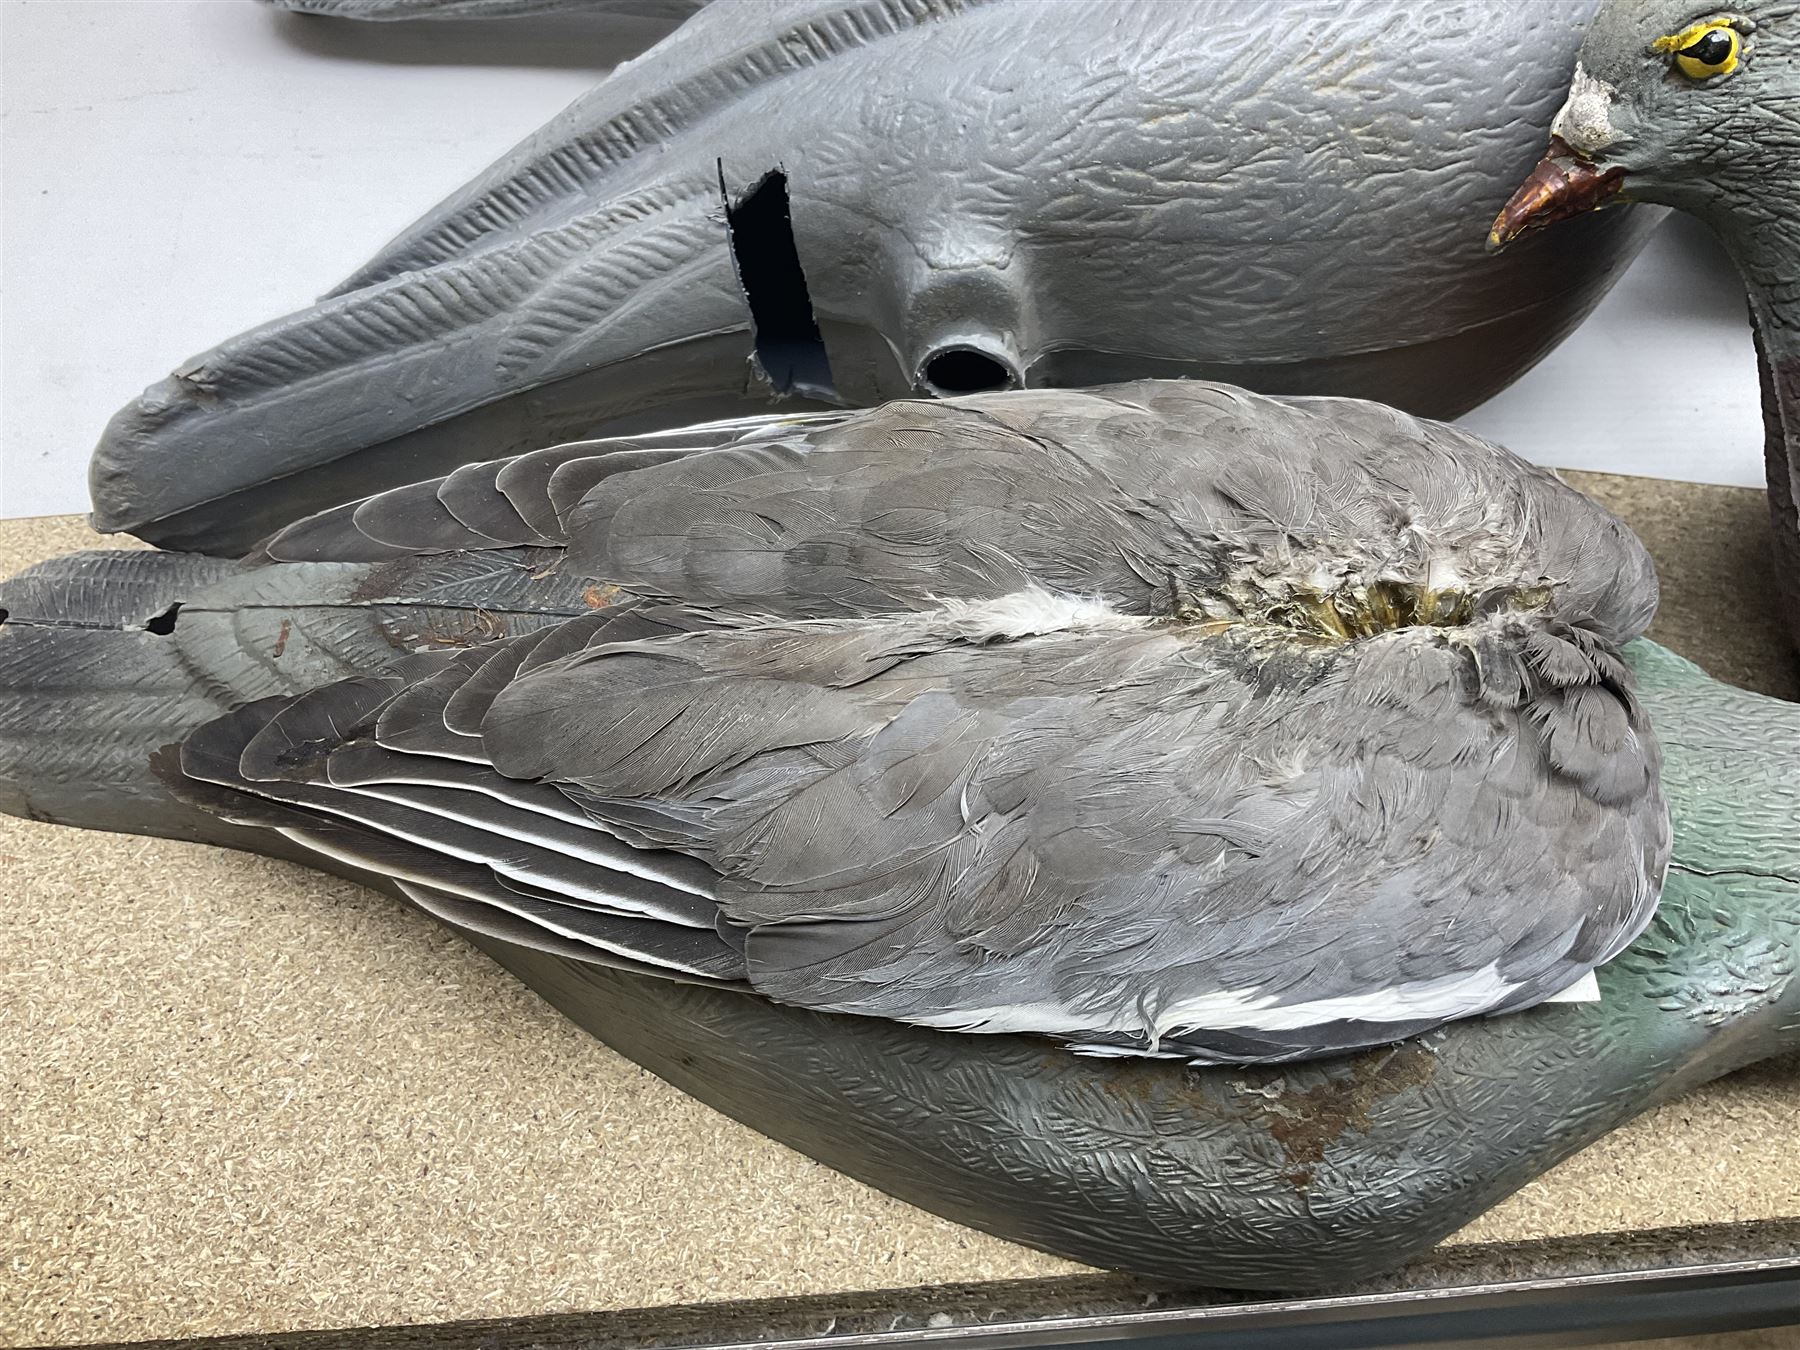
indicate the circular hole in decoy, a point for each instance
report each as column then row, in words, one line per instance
column 965, row 370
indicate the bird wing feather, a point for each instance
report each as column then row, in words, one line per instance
column 903, row 715
column 1106, row 830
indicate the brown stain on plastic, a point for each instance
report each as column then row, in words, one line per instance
column 1307, row 1123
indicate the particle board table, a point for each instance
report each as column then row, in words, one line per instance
column 244, row 1098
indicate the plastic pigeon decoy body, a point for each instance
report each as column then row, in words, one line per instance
column 1699, row 110
column 845, row 201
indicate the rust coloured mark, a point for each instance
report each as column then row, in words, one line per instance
column 281, row 638
column 1159, row 1085
column 1148, row 1083
column 597, row 596
column 1306, row 1124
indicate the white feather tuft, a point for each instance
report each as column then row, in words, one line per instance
column 1030, row 612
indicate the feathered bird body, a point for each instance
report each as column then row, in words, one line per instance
column 1162, row 718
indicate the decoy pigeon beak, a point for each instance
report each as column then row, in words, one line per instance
column 1565, row 183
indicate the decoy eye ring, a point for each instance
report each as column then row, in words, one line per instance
column 1705, row 50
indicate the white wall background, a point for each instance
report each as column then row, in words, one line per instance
column 178, row 170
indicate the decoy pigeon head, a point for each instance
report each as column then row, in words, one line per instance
column 1699, row 109
column 1672, row 102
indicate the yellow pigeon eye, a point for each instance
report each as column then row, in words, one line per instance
column 1705, row 50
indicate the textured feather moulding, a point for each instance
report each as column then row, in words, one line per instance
column 763, row 212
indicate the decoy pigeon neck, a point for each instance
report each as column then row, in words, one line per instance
column 1764, row 242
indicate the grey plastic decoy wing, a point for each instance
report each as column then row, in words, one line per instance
column 843, row 201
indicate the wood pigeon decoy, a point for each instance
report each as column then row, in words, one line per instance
column 836, row 202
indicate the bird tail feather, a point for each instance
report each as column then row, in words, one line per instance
column 92, row 689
